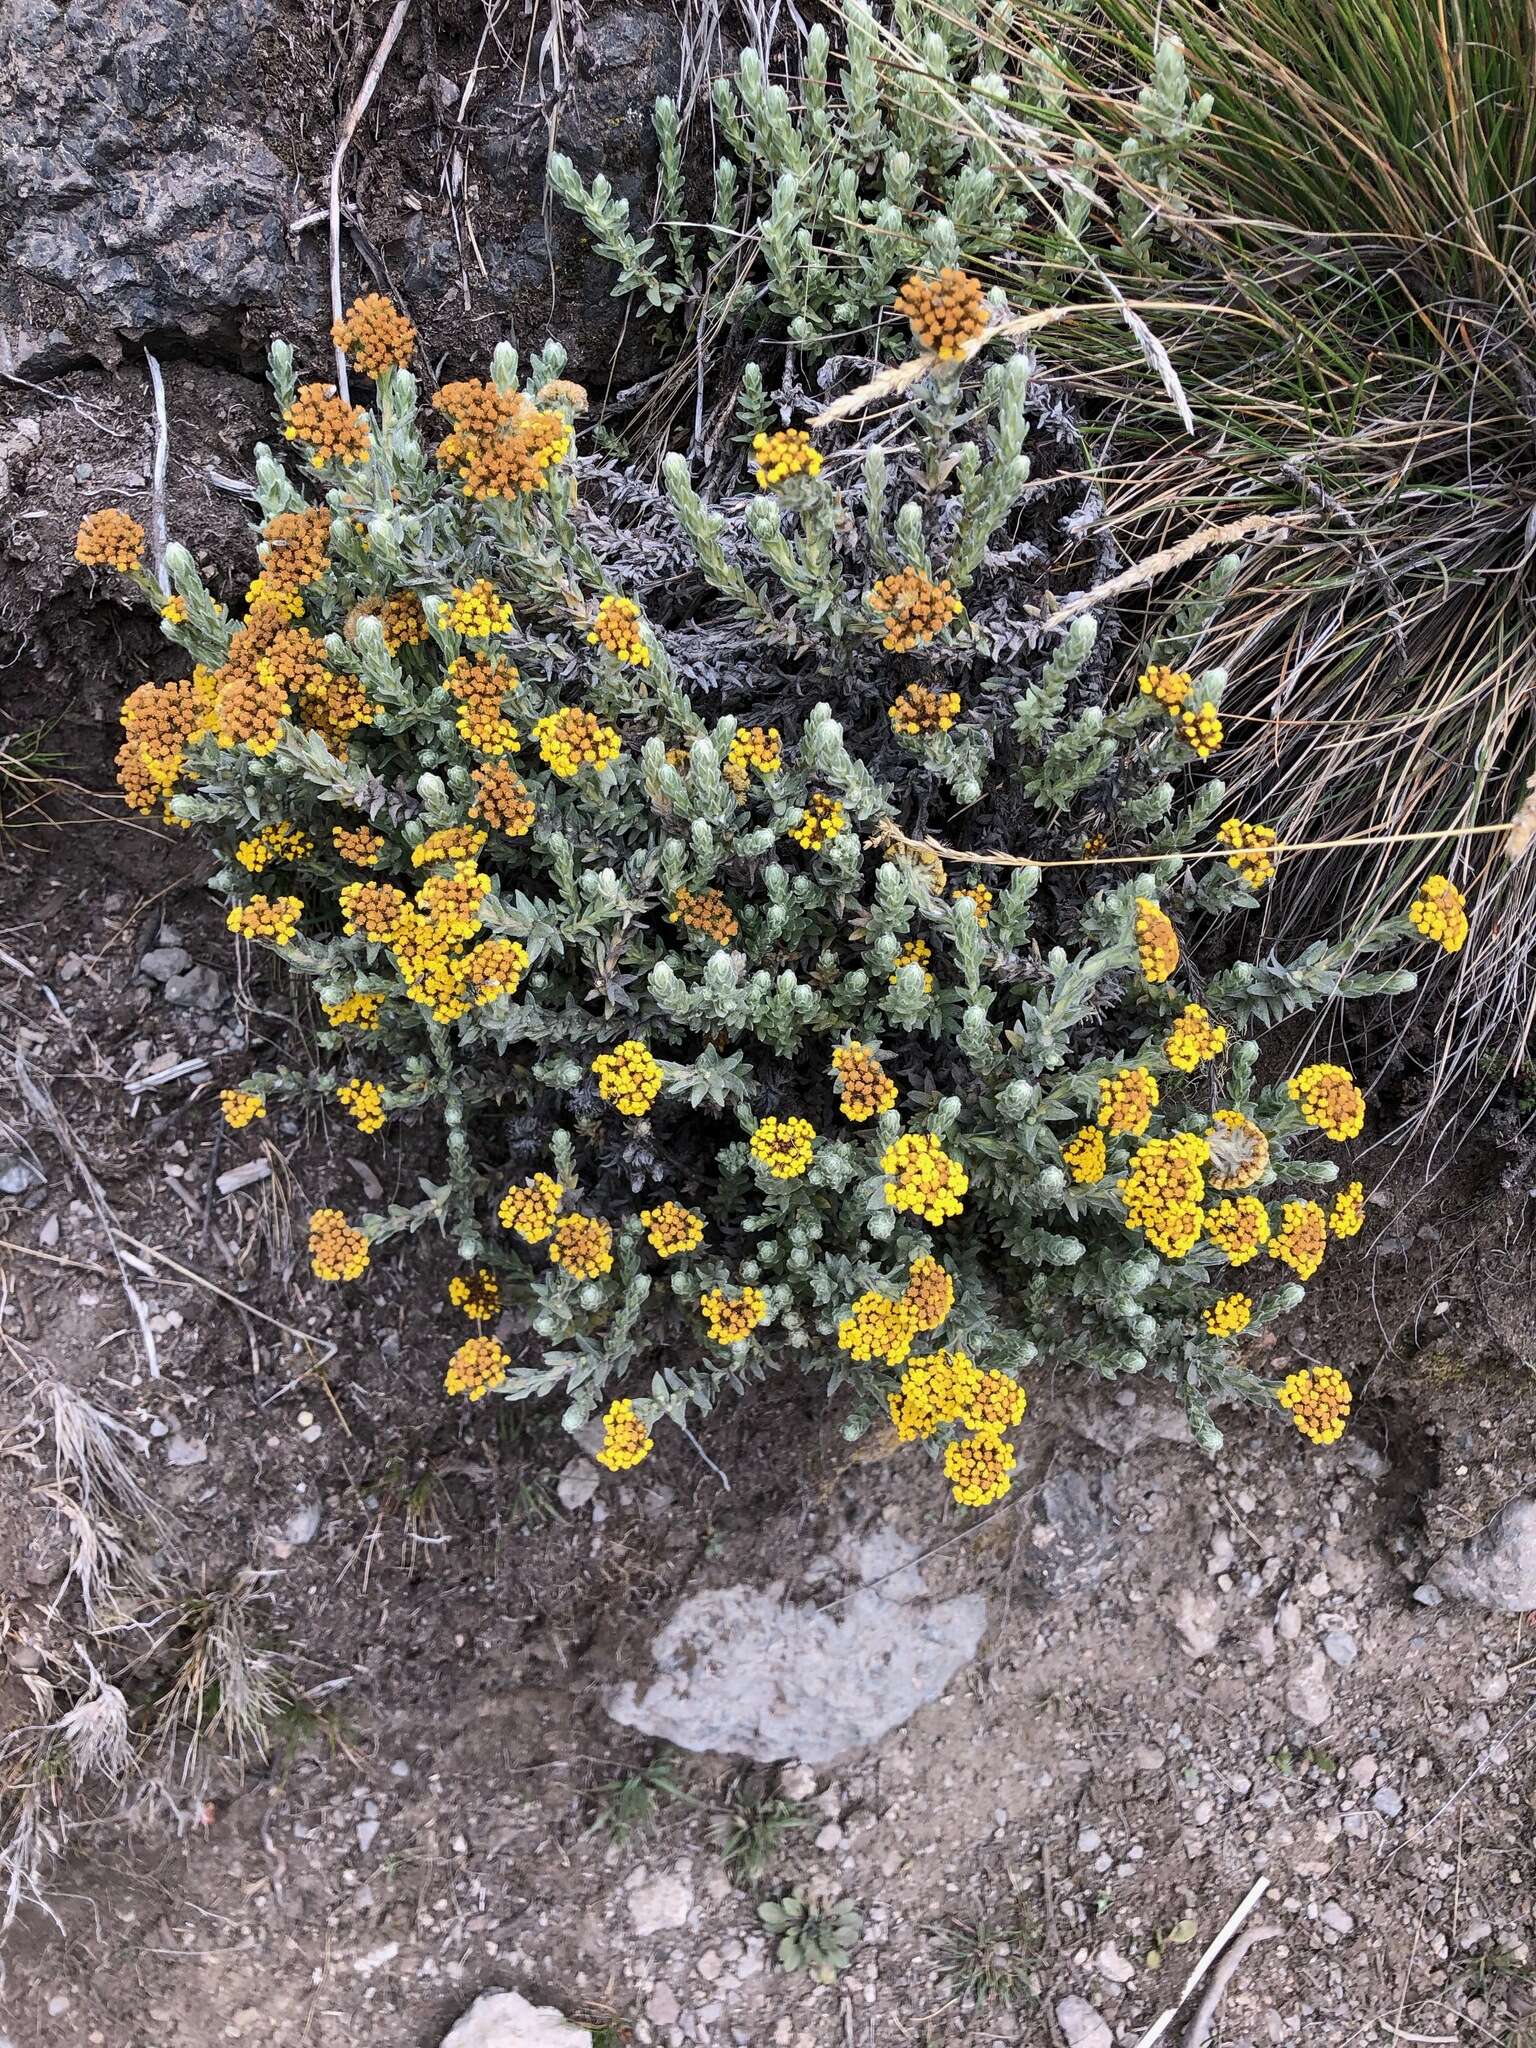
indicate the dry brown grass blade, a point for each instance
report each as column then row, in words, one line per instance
column 1151, row 567
column 1522, row 826
column 888, row 835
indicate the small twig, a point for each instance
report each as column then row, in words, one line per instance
column 201, row 1280
column 1200, row 2026
column 709, row 1461
column 157, row 527
column 1213, row 1949
column 1152, row 566
column 354, row 114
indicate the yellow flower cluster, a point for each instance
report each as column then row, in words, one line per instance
column 914, row 608
column 328, row 427
column 375, row 336
column 706, row 912
column 361, row 1010
column 477, row 1368
column 531, row 1209
column 919, row 712
column 1229, row 1316
column 672, row 1229
column 979, row 1468
column 1302, row 1238
column 618, row 631
column 476, row 611
column 263, row 593
column 1329, row 1100
column 820, row 822
column 160, row 722
column 625, row 1441
column 1346, row 1215
column 501, row 444
column 930, row 1292
column 110, row 539
column 295, row 552
column 447, row 846
column 583, row 1245
column 779, row 456
column 1239, row 1151
column 1157, row 943
column 934, row 1390
column 478, row 1294
column 864, row 1088
column 1194, row 1039
column 359, row 844
column 915, row 953
column 1127, row 1099
column 239, row 1106
column 1250, row 859
column 273, row 845
column 1239, row 1226
column 948, row 313
column 785, row 1145
column 273, row 919
column 1162, row 1192
column 629, row 1077
column 337, row 1249
column 980, row 898
column 376, row 909
column 502, row 799
column 1317, row 1401
column 879, row 1326
column 753, row 748
column 402, row 621
column 572, row 739
column 731, row 1319
column 1439, row 911
column 363, row 1102
column 1200, row 729
column 479, row 684
column 1170, row 686
column 922, row 1179
column 1085, row 1156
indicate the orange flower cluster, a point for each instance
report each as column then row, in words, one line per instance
column 1162, row 1192
column 376, row 909
column 501, row 444
column 864, row 1089
column 1127, row 1099
column 273, row 920
column 672, row 1229
column 478, row 1294
column 402, row 621
column 753, row 748
column 820, row 822
column 617, row 629
column 1194, row 1039
column 930, row 1292
column 785, row 1145
column 706, row 912
column 238, row 1107
column 1157, row 943
column 328, row 427
column 477, row 1368
column 948, row 313
column 161, row 721
column 573, row 739
column 531, row 1209
column 1302, row 1238
column 502, row 799
column 980, row 898
column 478, row 684
column 880, row 1326
column 448, row 846
column 1250, row 859
column 295, row 550
column 915, row 608
column 1329, row 1100
column 359, row 844
column 1239, row 1151
column 1239, row 1226
column 375, row 336
column 919, row 711
column 625, row 1441
column 583, row 1245
column 629, row 1077
column 1200, row 729
column 731, row 1318
column 1439, row 911
column 337, row 1249
column 1318, row 1401
column 331, row 704
column 1169, row 686
column 979, row 1468
column 110, row 539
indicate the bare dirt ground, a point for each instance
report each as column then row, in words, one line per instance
column 1196, row 1673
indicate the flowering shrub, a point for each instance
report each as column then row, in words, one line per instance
column 743, row 1047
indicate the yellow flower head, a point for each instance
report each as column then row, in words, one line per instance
column 785, row 1145
column 820, row 822
column 1194, row 1039
column 1329, row 1100
column 1239, row 1226
column 935, row 1389
column 1085, row 1157
column 502, row 445
column 403, row 621
column 572, row 739
column 363, row 1103
column 625, row 1442
column 1162, row 1192
column 618, row 630
column 1251, row 859
column 583, row 1245
column 274, row 919
column 1301, row 1239
column 448, row 846
column 1229, row 1316
column 1200, row 729
column 479, row 684
column 979, row 1468
column 531, row 1209
column 914, row 608
column 363, row 1011
column 375, row 336
column 706, row 912
column 494, row 968
column 915, row 953
column 628, row 1077
column 1170, row 686
column 993, row 1400
column 1157, row 943
column 1127, row 1099
column 477, row 612
column 731, row 1319
column 777, row 457
column 376, row 909
column 1239, row 1151
column 1318, row 1402
column 878, row 1327
column 672, row 1229
column 922, row 1179
column 327, row 426
column 477, row 1368
column 295, row 552
column 502, row 799
column 359, row 844
column 275, row 845
column 919, row 712
column 1346, row 1216
column 1439, row 911
column 337, row 1249
column 947, row 313
column 864, row 1089
column 980, row 898
column 262, row 592
column 477, row 1293
column 110, row 539
column 754, row 749
column 238, row 1107
column 930, row 1292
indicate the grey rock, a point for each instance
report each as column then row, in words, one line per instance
column 1387, row 1802
column 662, row 2008
column 186, row 1450
column 1081, row 2026
column 303, row 1525
column 1339, row 1648
column 164, row 963
column 664, row 1901
column 200, row 988
column 743, row 1671
column 1428, row 1595
column 1306, row 1693
column 577, row 1484
column 1082, row 1524
column 18, row 1176
column 1495, row 1568
column 505, row 2019
column 1333, row 1915
column 1197, row 1622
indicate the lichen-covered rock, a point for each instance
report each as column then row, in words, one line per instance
column 1496, row 1567
column 505, row 2019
